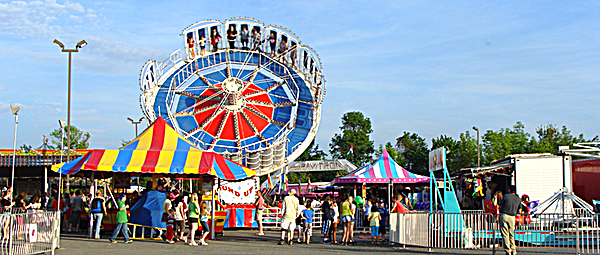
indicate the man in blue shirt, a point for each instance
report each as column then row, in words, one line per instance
column 367, row 208
column 384, row 212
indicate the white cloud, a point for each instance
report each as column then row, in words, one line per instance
column 85, row 112
column 115, row 57
column 75, row 18
column 90, row 15
column 36, row 18
column 5, row 107
column 74, row 7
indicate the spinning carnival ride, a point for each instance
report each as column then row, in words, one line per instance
column 258, row 102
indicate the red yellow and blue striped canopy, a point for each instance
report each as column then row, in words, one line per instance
column 158, row 150
column 382, row 171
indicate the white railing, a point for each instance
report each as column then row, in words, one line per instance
column 318, row 219
column 29, row 233
column 547, row 233
column 271, row 218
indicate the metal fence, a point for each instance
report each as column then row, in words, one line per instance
column 271, row 218
column 546, row 233
column 442, row 230
column 558, row 233
column 29, row 233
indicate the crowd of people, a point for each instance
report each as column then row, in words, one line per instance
column 297, row 214
column 249, row 40
column 186, row 210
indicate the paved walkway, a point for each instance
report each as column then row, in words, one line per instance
column 240, row 242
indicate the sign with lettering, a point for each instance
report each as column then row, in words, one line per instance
column 317, row 165
column 240, row 192
column 437, row 159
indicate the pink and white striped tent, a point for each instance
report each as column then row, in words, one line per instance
column 382, row 171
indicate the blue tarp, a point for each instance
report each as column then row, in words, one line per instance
column 149, row 209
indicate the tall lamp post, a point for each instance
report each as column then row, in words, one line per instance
column 61, row 123
column 15, row 110
column 136, row 124
column 478, row 152
column 70, row 51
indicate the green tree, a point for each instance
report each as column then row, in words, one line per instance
column 312, row 153
column 466, row 154
column 549, row 137
column 414, row 151
column 355, row 132
column 506, row 141
column 395, row 155
column 462, row 153
column 452, row 146
column 79, row 139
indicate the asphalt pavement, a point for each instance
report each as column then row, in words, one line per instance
column 242, row 242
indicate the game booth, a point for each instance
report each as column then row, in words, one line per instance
column 160, row 152
column 384, row 172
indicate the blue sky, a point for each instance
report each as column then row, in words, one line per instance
column 430, row 67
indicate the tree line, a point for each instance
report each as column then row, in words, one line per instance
column 409, row 150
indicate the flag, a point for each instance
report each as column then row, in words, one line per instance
column 309, row 186
column 269, row 181
column 351, row 149
column 281, row 177
column 300, row 187
column 286, row 183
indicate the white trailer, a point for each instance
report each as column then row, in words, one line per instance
column 540, row 175
column 537, row 175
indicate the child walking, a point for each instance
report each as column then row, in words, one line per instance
column 374, row 218
column 170, row 223
column 307, row 217
column 204, row 221
column 121, row 221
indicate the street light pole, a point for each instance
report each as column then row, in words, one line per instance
column 15, row 110
column 61, row 123
column 478, row 152
column 79, row 45
column 136, row 124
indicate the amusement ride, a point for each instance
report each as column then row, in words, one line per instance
column 247, row 91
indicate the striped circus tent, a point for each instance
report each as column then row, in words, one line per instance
column 158, row 150
column 382, row 171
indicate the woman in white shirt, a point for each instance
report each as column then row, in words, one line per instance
column 35, row 204
column 336, row 221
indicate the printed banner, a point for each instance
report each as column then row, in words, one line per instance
column 437, row 159
column 241, row 192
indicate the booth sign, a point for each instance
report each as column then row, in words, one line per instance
column 240, row 192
